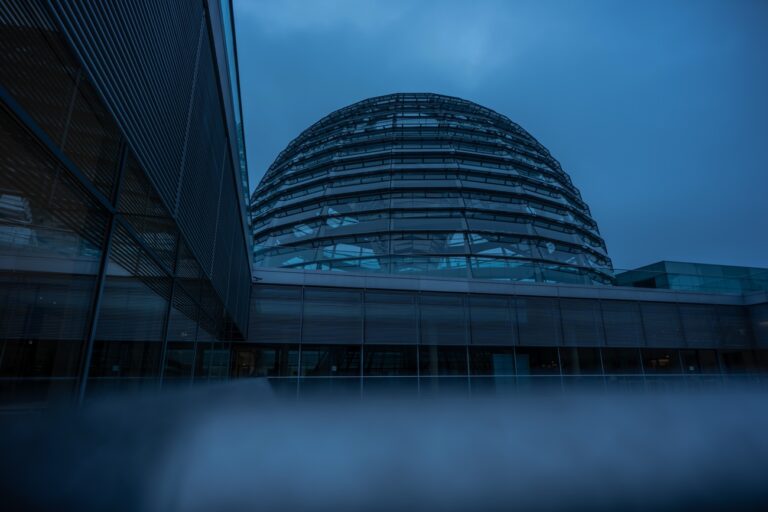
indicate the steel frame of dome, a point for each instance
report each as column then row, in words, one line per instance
column 421, row 183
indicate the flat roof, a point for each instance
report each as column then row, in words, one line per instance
column 301, row 277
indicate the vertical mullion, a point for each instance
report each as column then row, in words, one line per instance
column 418, row 344
column 362, row 338
column 605, row 343
column 467, row 314
column 301, row 338
column 166, row 321
column 562, row 341
column 101, row 279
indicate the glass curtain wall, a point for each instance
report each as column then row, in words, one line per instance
column 98, row 289
column 299, row 368
column 425, row 184
column 397, row 340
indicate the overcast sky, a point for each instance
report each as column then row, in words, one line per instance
column 657, row 110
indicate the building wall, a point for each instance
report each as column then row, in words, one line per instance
column 677, row 275
column 329, row 330
column 122, row 219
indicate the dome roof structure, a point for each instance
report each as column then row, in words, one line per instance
column 425, row 184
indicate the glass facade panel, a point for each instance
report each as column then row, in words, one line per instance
column 491, row 320
column 537, row 361
column 137, row 288
column 622, row 360
column 142, row 207
column 737, row 361
column 443, row 319
column 441, row 360
column 734, row 325
column 390, row 360
column 51, row 234
column 275, row 314
column 504, row 269
column 36, row 66
column 582, row 322
column 120, row 359
column 428, row 243
column 661, row 322
column 761, row 360
column 445, row 266
column 538, row 321
column 391, row 317
column 332, row 316
column 699, row 361
column 179, row 361
column 492, row 361
column 266, row 361
column 700, row 325
column 331, row 360
column 91, row 139
column 623, row 325
column 759, row 316
column 661, row 361
column 581, row 361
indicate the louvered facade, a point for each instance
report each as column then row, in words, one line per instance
column 124, row 240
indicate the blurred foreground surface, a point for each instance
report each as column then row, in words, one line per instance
column 235, row 447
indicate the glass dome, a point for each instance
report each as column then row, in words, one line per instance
column 425, row 184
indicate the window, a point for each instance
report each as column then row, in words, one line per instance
column 441, row 360
column 492, row 361
column 699, row 361
column 389, row 360
column 537, row 361
column 135, row 288
column 661, row 361
column 331, row 360
column 737, row 361
column 581, row 361
column 47, row 221
column 621, row 360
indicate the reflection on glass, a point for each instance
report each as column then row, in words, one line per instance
column 389, row 360
column 621, row 360
column 581, row 361
column 537, row 361
column 661, row 361
column 442, row 360
column 331, row 360
column 492, row 361
column 699, row 361
column 137, row 288
column 51, row 234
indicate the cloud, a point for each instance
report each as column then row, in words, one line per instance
column 287, row 17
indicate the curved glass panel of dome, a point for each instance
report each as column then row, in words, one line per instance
column 425, row 184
